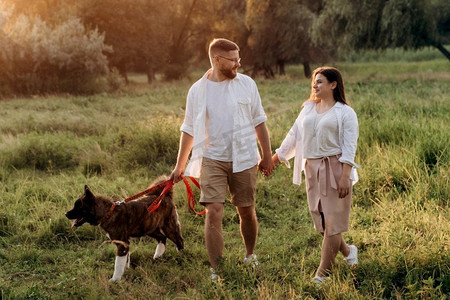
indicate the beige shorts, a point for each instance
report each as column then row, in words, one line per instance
column 217, row 176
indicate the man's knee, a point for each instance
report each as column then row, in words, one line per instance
column 247, row 213
column 214, row 212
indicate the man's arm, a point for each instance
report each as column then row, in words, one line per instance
column 186, row 143
column 266, row 165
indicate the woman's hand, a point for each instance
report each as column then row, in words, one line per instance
column 345, row 183
column 344, row 186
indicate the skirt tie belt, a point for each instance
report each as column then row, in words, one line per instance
column 324, row 164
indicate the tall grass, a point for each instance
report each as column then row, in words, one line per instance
column 118, row 143
column 397, row 54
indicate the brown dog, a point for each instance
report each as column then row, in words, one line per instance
column 128, row 220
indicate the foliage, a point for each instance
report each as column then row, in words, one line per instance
column 133, row 28
column 287, row 42
column 228, row 21
column 168, row 42
column 379, row 25
column 40, row 58
column 150, row 36
column 118, row 143
column 442, row 17
column 41, row 152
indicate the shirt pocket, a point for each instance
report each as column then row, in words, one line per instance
column 245, row 109
column 243, row 101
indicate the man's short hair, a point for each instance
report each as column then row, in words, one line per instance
column 224, row 45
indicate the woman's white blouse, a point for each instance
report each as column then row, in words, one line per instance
column 292, row 145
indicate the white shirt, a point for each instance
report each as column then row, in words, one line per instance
column 294, row 140
column 219, row 121
column 248, row 113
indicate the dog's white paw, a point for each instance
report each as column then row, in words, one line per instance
column 113, row 280
column 119, row 267
column 160, row 249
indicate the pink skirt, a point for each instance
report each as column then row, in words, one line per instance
column 330, row 213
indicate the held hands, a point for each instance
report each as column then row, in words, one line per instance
column 266, row 166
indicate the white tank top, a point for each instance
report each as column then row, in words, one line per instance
column 321, row 134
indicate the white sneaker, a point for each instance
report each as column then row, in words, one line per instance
column 214, row 275
column 251, row 259
column 352, row 258
column 318, row 281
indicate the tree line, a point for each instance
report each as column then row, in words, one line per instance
column 170, row 37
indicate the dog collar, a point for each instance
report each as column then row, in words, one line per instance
column 108, row 215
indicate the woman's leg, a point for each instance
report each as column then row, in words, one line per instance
column 334, row 219
column 331, row 245
column 345, row 250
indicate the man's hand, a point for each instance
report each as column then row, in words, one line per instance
column 266, row 166
column 176, row 175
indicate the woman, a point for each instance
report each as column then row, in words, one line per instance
column 323, row 141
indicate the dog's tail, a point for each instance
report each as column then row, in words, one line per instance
column 158, row 191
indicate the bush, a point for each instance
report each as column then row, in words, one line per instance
column 95, row 161
column 40, row 58
column 41, row 152
column 150, row 146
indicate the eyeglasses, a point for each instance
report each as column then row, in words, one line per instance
column 235, row 60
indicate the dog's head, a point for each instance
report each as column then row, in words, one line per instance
column 83, row 210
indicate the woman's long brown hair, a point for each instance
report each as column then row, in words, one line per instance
column 332, row 74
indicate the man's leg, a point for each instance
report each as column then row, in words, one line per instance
column 213, row 232
column 249, row 227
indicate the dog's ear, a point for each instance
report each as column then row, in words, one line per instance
column 87, row 192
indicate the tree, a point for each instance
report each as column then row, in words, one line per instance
column 51, row 11
column 377, row 24
column 192, row 25
column 229, row 20
column 180, row 29
column 225, row 19
column 279, row 34
column 135, row 30
column 151, row 34
column 441, row 11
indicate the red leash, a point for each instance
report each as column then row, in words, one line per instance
column 155, row 204
column 168, row 184
column 190, row 193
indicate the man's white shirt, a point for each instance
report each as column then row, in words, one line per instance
column 247, row 114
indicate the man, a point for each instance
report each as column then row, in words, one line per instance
column 224, row 118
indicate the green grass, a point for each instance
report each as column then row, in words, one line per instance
column 50, row 147
column 396, row 54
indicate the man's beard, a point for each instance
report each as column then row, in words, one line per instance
column 229, row 73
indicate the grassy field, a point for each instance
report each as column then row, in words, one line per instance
column 50, row 147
